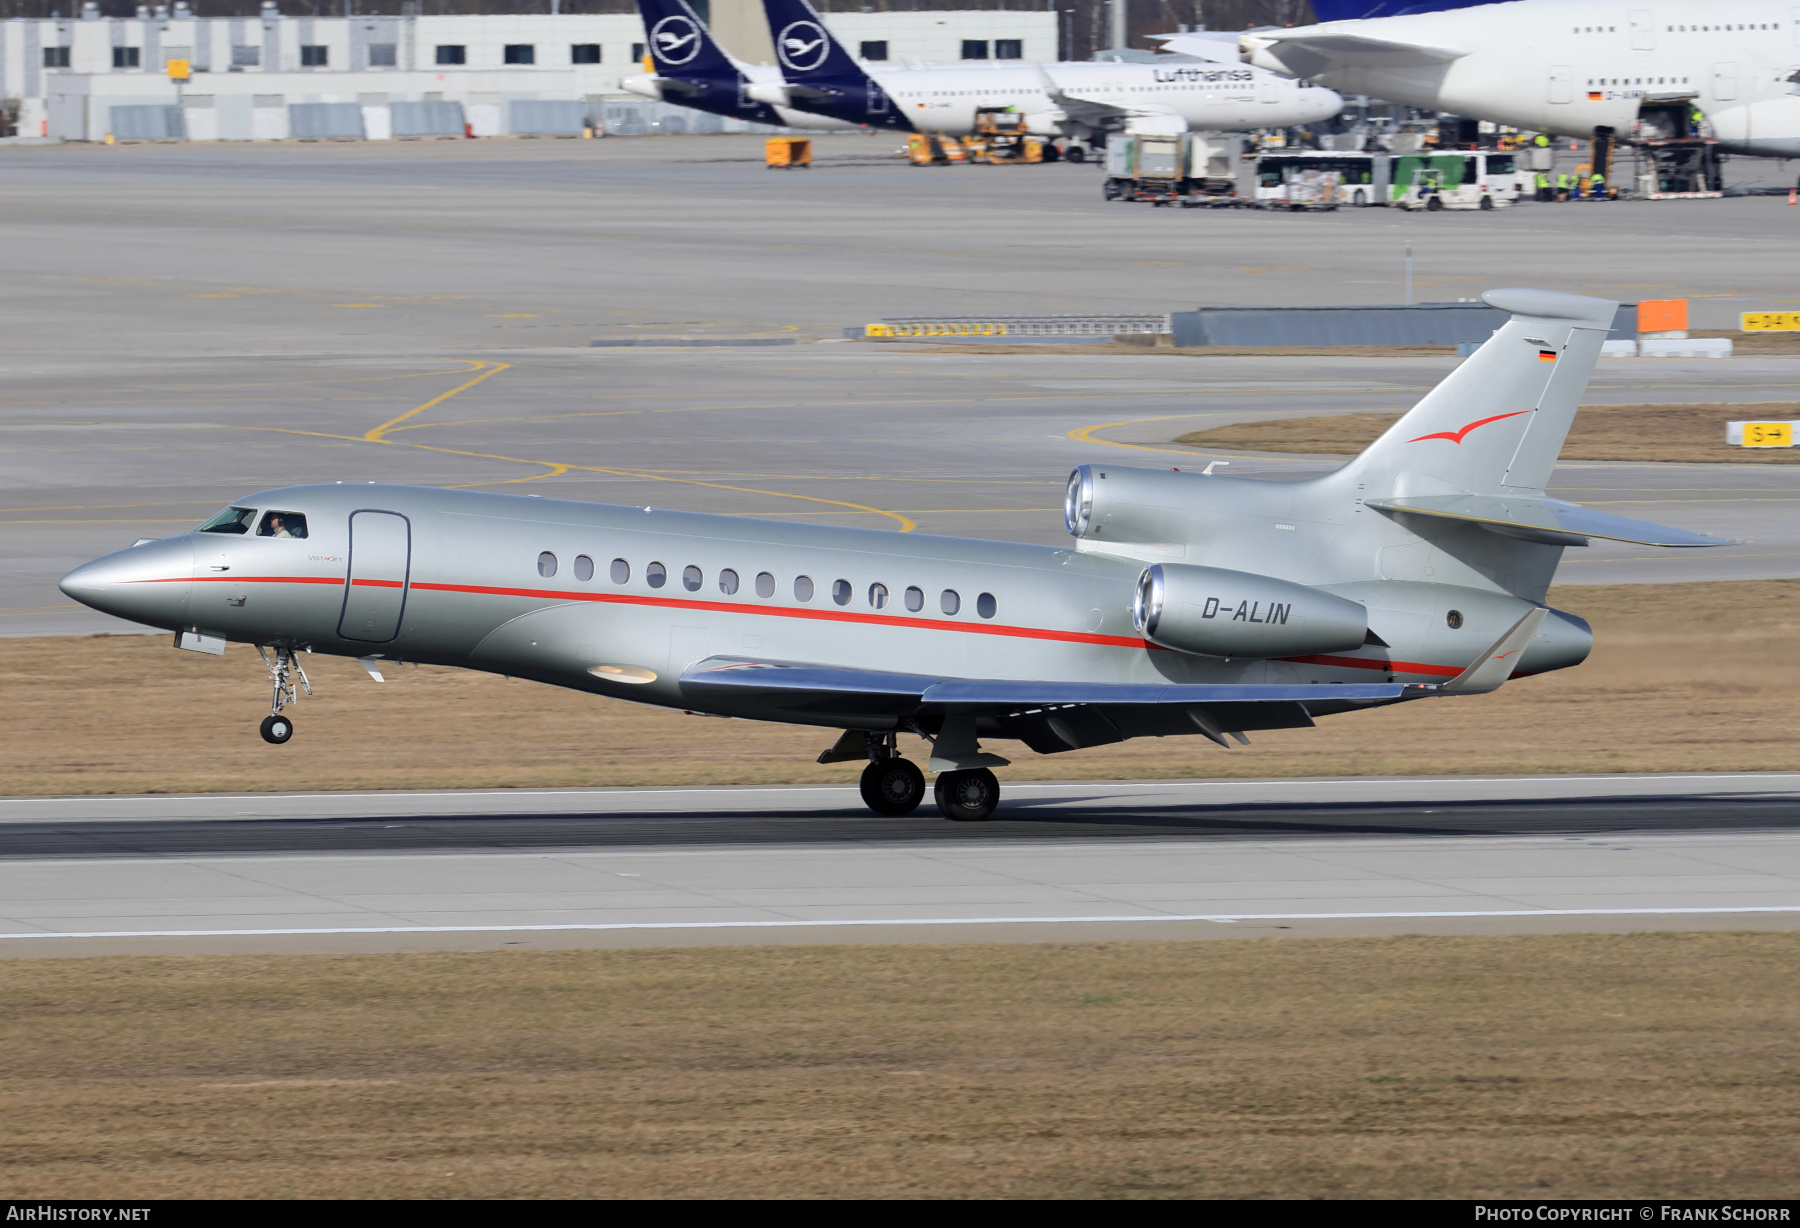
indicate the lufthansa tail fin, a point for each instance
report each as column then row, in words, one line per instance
column 680, row 44
column 806, row 49
column 1496, row 424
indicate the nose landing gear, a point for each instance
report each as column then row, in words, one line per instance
column 287, row 678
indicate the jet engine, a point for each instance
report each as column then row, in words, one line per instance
column 1218, row 613
column 1048, row 123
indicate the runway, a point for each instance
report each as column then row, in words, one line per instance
column 1100, row 861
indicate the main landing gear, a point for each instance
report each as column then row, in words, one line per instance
column 894, row 787
column 286, row 676
column 967, row 796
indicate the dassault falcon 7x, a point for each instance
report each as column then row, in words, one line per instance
column 1187, row 604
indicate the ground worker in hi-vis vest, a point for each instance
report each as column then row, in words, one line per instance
column 1543, row 187
column 1564, row 182
column 1597, row 186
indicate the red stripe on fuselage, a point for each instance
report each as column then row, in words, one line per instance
column 880, row 620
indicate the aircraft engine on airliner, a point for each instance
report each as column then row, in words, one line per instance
column 1220, row 613
column 1047, row 123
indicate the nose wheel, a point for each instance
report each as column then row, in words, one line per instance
column 287, row 679
column 967, row 797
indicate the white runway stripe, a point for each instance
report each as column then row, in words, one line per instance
column 1221, row 918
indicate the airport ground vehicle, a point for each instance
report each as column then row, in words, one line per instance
column 1163, row 169
column 1361, row 178
column 1418, row 570
column 1455, row 179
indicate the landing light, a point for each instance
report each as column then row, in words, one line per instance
column 622, row 673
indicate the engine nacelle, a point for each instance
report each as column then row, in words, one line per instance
column 1220, row 613
column 1054, row 122
column 1112, row 503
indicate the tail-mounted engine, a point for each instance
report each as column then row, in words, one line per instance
column 1220, row 613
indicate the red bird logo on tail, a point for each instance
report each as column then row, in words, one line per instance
column 1459, row 436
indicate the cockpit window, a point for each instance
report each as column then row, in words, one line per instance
column 282, row 524
column 231, row 520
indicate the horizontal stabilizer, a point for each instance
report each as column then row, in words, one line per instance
column 1493, row 667
column 1544, row 520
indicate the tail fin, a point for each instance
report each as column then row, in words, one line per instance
column 680, row 44
column 806, row 49
column 1497, row 423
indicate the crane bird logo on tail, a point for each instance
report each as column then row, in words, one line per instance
column 677, row 39
column 802, row 46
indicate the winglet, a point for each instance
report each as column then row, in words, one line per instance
column 1495, row 666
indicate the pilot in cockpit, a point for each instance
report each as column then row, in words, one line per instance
column 283, row 524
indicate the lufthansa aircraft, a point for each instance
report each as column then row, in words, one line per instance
column 1187, row 603
column 692, row 70
column 1077, row 100
column 1576, row 67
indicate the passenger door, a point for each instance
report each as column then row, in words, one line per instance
column 1562, row 83
column 375, row 594
column 1643, row 30
column 1724, row 82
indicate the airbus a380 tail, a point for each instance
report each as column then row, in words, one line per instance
column 1575, row 67
column 1189, row 604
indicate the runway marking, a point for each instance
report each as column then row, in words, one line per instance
column 1332, row 782
column 1085, row 434
column 375, row 434
column 878, row 922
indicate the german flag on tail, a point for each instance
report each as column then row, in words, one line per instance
column 1546, row 355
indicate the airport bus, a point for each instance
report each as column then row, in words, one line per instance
column 1457, row 179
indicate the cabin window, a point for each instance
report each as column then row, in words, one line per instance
column 841, row 591
column 765, row 584
column 985, row 605
column 691, row 579
column 1454, row 620
column 282, row 524
column 584, row 567
column 621, row 571
column 231, row 520
column 546, row 564
column 656, row 575
column 878, row 596
column 915, row 599
column 949, row 601
column 728, row 582
column 803, row 588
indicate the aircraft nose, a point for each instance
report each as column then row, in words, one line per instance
column 146, row 584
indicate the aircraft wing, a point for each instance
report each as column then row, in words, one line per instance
column 1091, row 111
column 1544, row 520
column 1307, row 53
column 1047, row 716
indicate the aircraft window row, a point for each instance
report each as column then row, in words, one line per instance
column 1767, row 25
column 1637, row 81
column 656, row 575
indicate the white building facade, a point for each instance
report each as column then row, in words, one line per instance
column 64, row 78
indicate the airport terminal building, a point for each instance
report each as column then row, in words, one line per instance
column 276, row 77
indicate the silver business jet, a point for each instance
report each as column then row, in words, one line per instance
column 1187, row 603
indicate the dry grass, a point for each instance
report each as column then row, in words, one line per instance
column 1581, row 1066
column 1687, row 433
column 128, row 714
